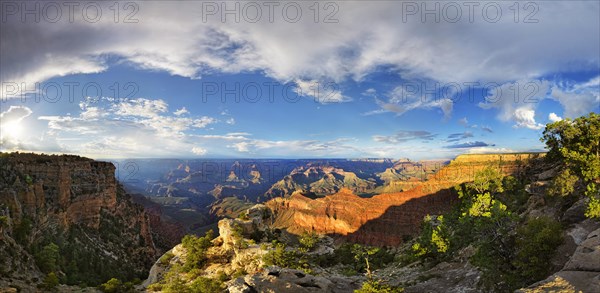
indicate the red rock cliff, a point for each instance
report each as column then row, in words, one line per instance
column 385, row 219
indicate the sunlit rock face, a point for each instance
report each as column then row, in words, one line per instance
column 387, row 219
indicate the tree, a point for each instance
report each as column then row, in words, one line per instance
column 433, row 241
column 488, row 179
column 535, row 243
column 308, row 241
column 576, row 144
column 372, row 286
column 196, row 248
column 47, row 258
column 50, row 281
column 206, row 285
column 563, row 184
column 113, row 285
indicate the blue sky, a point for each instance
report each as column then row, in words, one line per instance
column 391, row 89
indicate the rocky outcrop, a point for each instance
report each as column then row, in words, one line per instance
column 582, row 272
column 386, row 219
column 276, row 279
column 319, row 179
column 78, row 204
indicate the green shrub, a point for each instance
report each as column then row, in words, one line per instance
column 115, row 285
column 196, row 250
column 166, row 258
column 433, row 242
column 536, row 242
column 373, row 286
column 308, row 241
column 593, row 208
column 563, row 184
column 576, row 144
column 50, row 282
column 47, row 258
column 206, row 285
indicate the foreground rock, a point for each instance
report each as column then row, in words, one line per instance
column 275, row 279
column 582, row 272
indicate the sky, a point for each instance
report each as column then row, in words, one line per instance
column 294, row 79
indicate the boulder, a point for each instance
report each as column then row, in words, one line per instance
column 275, row 279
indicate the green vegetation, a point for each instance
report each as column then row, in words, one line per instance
column 434, row 238
column 376, row 287
column 47, row 258
column 3, row 222
column 50, row 282
column 575, row 143
column 196, row 250
column 564, row 184
column 507, row 260
column 115, row 285
column 186, row 277
column 287, row 258
column 308, row 241
column 22, row 231
column 166, row 258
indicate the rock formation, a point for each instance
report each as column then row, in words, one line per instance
column 386, row 219
column 78, row 204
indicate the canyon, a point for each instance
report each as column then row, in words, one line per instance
column 78, row 205
column 386, row 219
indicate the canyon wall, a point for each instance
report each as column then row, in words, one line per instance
column 78, row 204
column 386, row 219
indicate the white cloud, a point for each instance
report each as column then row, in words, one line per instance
column 12, row 132
column 230, row 121
column 182, row 44
column 140, row 107
column 15, row 114
column 526, row 118
column 273, row 148
column 487, row 129
column 463, row 121
column 239, row 134
column 400, row 101
column 321, row 91
column 579, row 99
column 553, row 117
column 126, row 128
column 404, row 136
column 199, row 151
column 181, row 111
column 518, row 101
column 489, row 150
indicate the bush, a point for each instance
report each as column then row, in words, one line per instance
column 308, row 241
column 196, row 250
column 373, row 286
column 166, row 258
column 563, row 184
column 113, row 285
column 593, row 208
column 576, row 144
column 433, row 240
column 50, row 281
column 281, row 256
column 206, row 285
column 536, row 242
column 47, row 258
column 3, row 221
column 23, row 230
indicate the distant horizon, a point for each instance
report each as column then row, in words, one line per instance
column 275, row 158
